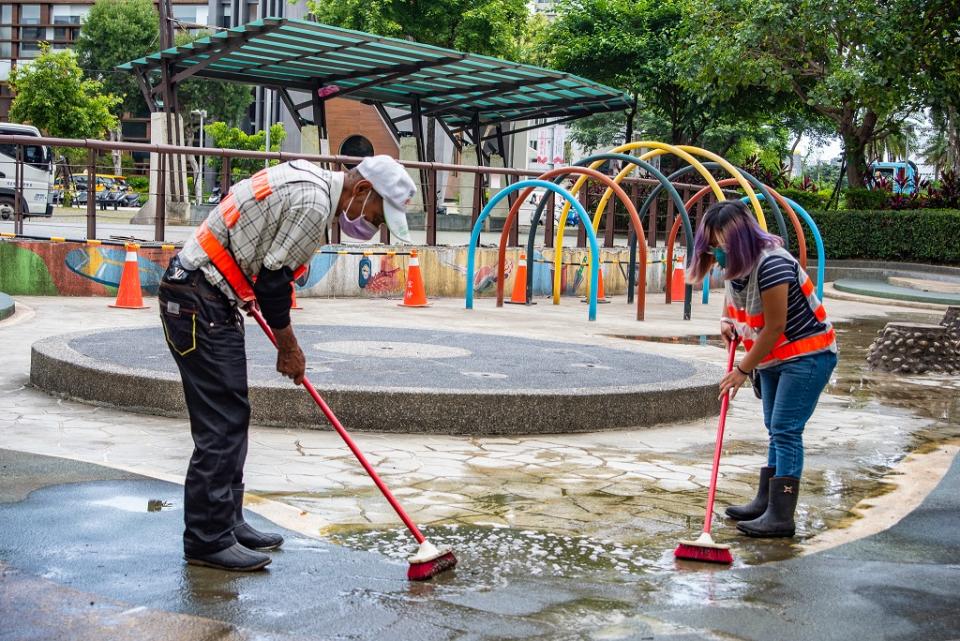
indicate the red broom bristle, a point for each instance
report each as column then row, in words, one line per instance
column 698, row 553
column 430, row 569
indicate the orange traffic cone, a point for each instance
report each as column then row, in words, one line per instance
column 678, row 281
column 415, row 296
column 128, row 294
column 601, row 297
column 519, row 295
column 293, row 297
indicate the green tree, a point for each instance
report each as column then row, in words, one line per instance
column 846, row 62
column 229, row 137
column 114, row 32
column 632, row 45
column 52, row 95
column 490, row 27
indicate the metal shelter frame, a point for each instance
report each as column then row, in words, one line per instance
column 465, row 93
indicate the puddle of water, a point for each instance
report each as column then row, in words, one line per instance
column 620, row 532
column 134, row 504
column 712, row 340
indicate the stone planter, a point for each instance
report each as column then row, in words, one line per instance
column 914, row 348
column 951, row 320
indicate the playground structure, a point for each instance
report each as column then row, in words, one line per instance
column 637, row 273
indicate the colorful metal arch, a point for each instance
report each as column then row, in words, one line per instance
column 598, row 159
column 658, row 148
column 664, row 183
column 584, row 219
column 621, row 194
column 765, row 191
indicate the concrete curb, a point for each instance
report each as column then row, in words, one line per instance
column 58, row 368
column 829, row 291
column 7, row 306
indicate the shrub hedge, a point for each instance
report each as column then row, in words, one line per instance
column 807, row 199
column 866, row 199
column 918, row 235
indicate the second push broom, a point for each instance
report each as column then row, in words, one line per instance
column 704, row 548
column 429, row 560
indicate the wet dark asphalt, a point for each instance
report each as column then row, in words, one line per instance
column 74, row 534
column 903, row 583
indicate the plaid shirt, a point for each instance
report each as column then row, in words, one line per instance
column 282, row 230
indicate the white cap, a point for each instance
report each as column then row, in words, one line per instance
column 394, row 185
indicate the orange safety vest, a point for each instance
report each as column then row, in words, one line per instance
column 744, row 309
column 220, row 256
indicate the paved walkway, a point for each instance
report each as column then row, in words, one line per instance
column 607, row 505
column 59, row 580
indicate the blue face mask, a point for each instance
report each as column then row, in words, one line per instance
column 720, row 256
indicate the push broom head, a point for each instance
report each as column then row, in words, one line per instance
column 704, row 549
column 429, row 561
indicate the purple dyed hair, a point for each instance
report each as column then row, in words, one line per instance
column 744, row 241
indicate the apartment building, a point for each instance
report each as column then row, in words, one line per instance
column 24, row 25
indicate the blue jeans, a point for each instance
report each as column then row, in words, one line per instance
column 790, row 393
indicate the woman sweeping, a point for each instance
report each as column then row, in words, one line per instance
column 791, row 347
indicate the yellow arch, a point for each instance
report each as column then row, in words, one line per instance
column 664, row 148
column 657, row 149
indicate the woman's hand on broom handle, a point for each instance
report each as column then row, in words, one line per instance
column 731, row 383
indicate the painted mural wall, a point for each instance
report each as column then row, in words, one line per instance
column 79, row 269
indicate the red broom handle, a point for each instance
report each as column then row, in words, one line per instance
column 724, row 405
column 253, row 311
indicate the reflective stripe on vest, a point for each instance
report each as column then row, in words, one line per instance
column 223, row 260
column 785, row 350
column 261, row 185
column 231, row 213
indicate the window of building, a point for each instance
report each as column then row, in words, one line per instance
column 67, row 14
column 356, row 145
column 133, row 129
column 29, row 14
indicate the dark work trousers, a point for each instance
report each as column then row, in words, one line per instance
column 204, row 332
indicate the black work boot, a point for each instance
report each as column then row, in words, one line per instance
column 235, row 558
column 758, row 505
column 246, row 535
column 777, row 521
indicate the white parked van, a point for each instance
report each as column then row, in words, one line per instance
column 37, row 198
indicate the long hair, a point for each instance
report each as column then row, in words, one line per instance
column 744, row 240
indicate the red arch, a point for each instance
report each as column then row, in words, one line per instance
column 729, row 182
column 620, row 193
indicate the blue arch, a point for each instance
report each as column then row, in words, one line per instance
column 817, row 239
column 584, row 220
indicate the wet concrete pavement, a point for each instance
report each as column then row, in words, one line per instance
column 85, row 558
column 559, row 537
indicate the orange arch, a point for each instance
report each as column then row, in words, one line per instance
column 729, row 182
column 621, row 195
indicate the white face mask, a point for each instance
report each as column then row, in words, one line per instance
column 359, row 228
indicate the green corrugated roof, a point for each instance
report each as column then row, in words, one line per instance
column 301, row 55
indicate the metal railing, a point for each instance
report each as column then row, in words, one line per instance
column 659, row 221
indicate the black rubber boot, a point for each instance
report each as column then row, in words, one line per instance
column 246, row 535
column 777, row 521
column 235, row 558
column 758, row 505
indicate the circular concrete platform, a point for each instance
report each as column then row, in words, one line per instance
column 401, row 380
